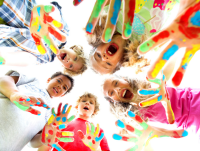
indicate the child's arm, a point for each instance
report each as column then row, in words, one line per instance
column 142, row 137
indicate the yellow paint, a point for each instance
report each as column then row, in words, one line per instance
column 157, row 68
column 87, row 128
column 69, row 109
column 139, row 4
column 67, row 134
column 50, row 119
column 36, row 22
column 97, row 131
column 155, row 4
column 173, row 118
column 23, row 102
column 197, row 1
column 170, row 5
column 46, row 135
column 89, row 146
column 56, row 23
column 147, row 142
column 41, row 49
column 184, row 40
column 148, row 103
column 59, row 123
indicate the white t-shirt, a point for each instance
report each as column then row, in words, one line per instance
column 18, row 127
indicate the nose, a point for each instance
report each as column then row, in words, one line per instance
column 68, row 63
column 117, row 90
column 105, row 57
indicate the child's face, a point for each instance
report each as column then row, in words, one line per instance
column 118, row 89
column 70, row 59
column 107, row 56
column 86, row 107
column 58, row 86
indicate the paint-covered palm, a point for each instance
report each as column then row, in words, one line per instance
column 26, row 103
column 161, row 95
column 142, row 137
column 42, row 24
column 183, row 32
column 91, row 138
column 52, row 134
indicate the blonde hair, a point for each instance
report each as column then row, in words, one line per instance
column 130, row 56
column 79, row 51
column 89, row 95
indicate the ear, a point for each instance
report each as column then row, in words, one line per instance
column 48, row 80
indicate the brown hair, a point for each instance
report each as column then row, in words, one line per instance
column 89, row 95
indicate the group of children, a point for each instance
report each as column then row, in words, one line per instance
column 39, row 38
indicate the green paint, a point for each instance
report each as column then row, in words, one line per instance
column 53, row 112
column 144, row 125
column 146, row 45
column 22, row 107
column 134, row 148
column 128, row 29
column 158, row 81
column 92, row 129
column 90, row 144
column 133, row 140
column 108, row 34
column 138, row 132
column 2, row 60
column 48, row 8
column 47, row 40
column 97, row 9
column 66, row 139
column 164, row 136
column 71, row 118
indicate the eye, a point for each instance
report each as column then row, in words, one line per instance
column 64, row 88
column 99, row 55
column 75, row 58
column 58, row 81
column 108, row 63
column 91, row 102
column 71, row 66
column 111, row 93
column 83, row 101
column 116, row 82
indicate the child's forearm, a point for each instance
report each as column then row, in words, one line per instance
column 36, row 141
column 8, row 86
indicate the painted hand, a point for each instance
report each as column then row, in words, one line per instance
column 91, row 138
column 160, row 95
column 142, row 137
column 42, row 24
column 25, row 103
column 183, row 32
column 77, row 2
column 129, row 8
column 52, row 134
column 2, row 61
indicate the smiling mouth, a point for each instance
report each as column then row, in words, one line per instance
column 63, row 56
column 112, row 49
column 86, row 108
column 55, row 89
column 126, row 94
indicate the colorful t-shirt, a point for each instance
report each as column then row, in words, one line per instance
column 78, row 145
column 185, row 103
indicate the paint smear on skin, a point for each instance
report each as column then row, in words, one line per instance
column 58, row 119
column 157, row 68
column 130, row 128
column 142, row 123
column 149, row 92
column 134, row 148
column 161, row 35
column 50, row 132
column 41, row 49
column 48, row 8
column 64, row 119
column 196, row 19
column 128, row 29
column 56, row 147
column 80, row 134
column 53, row 49
column 38, row 44
column 87, row 128
column 59, row 123
column 89, row 28
column 69, row 109
column 97, row 131
column 90, row 144
column 97, row 139
column 2, row 61
column 149, row 103
column 39, row 27
column 36, row 22
column 38, row 10
column 189, row 32
column 144, row 47
column 64, row 109
column 77, row 2
column 22, row 107
column 120, row 124
column 67, row 134
column 117, row 137
column 177, row 78
column 108, row 34
column 32, row 111
column 131, row 114
column 62, row 126
column 155, row 136
column 132, row 140
column 55, row 33
column 57, row 24
column 50, row 120
column 158, row 81
column 43, row 135
column 47, row 40
column 92, row 129
column 31, row 19
column 116, row 7
column 65, row 139
column 173, row 117
column 93, row 142
column 71, row 118
column 138, row 132
column 170, row 52
column 185, row 133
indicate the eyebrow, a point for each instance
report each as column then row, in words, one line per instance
column 63, row 82
column 113, row 82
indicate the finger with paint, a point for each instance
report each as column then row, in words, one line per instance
column 183, row 32
column 91, row 138
column 77, row 2
column 2, row 61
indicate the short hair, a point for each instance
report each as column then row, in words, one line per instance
column 70, row 79
column 89, row 95
column 79, row 51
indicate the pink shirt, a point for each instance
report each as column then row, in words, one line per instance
column 185, row 103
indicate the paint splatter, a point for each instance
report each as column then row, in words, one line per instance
column 149, row 92
column 170, row 52
column 177, row 78
column 108, row 34
column 2, row 61
column 120, row 124
column 116, row 8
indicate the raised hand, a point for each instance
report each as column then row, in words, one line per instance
column 183, row 32
column 42, row 24
column 129, row 8
column 51, row 133
column 142, row 137
column 25, row 103
column 160, row 95
column 91, row 138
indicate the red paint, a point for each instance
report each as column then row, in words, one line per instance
column 172, row 31
column 172, row 122
column 130, row 128
column 59, row 134
column 166, row 94
column 80, row 134
column 31, row 19
column 161, row 35
column 176, row 80
column 47, row 19
column 55, row 33
column 56, row 140
column 131, row 10
column 49, row 140
column 89, row 137
column 37, row 40
column 138, row 118
column 32, row 111
column 176, row 135
column 76, row 2
column 50, row 132
column 93, row 142
column 140, row 104
column 189, row 32
column 21, row 99
column 43, row 135
column 124, row 138
column 59, row 109
column 88, row 32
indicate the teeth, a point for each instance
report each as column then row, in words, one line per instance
column 109, row 52
column 124, row 93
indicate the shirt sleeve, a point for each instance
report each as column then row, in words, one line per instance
column 23, row 79
column 104, row 144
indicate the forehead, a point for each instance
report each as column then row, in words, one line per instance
column 88, row 98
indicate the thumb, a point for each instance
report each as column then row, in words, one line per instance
column 97, row 139
column 80, row 134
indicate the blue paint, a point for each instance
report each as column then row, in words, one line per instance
column 79, row 0
column 196, row 19
column 131, row 114
column 62, row 126
column 120, row 124
column 56, row 147
column 163, row 78
column 109, row 40
column 117, row 137
column 160, row 98
column 64, row 109
column 64, row 119
column 185, row 133
column 186, row 64
column 97, row 139
column 170, row 52
column 116, row 6
column 48, row 108
column 38, row 10
column 39, row 114
column 31, row 105
column 38, row 103
column 39, row 28
column 89, row 27
column 28, row 99
column 149, row 92
column 44, row 105
column 58, row 119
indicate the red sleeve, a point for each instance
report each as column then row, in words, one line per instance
column 104, row 144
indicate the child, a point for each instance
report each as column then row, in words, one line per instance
column 18, row 94
column 18, row 34
column 87, row 106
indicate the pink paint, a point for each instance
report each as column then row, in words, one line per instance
column 177, row 78
column 131, row 10
column 55, row 33
column 161, row 35
column 152, row 30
